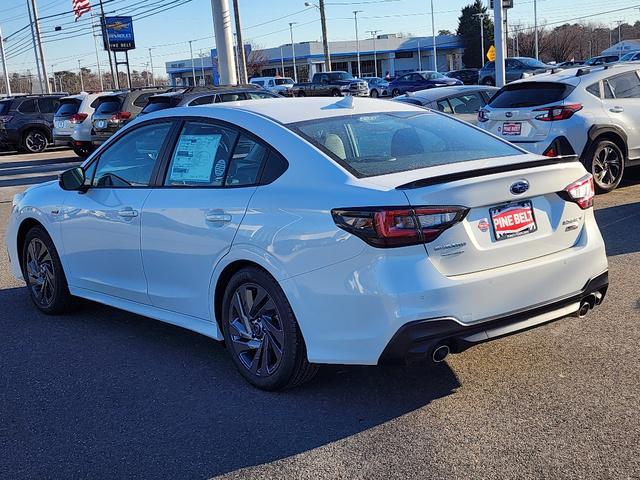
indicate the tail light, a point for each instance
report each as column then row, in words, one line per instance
column 397, row 226
column 78, row 118
column 559, row 112
column 120, row 116
column 5, row 118
column 482, row 116
column 581, row 192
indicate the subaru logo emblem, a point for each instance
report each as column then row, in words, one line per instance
column 519, row 187
column 509, row 114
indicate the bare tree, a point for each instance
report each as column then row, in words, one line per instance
column 256, row 61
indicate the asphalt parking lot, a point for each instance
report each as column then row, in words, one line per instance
column 107, row 394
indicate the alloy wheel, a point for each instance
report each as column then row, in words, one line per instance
column 607, row 166
column 256, row 331
column 35, row 142
column 40, row 272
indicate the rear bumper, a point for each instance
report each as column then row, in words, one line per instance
column 417, row 340
column 61, row 140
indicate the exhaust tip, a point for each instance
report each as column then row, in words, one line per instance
column 440, row 353
column 585, row 306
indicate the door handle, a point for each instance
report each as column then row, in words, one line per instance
column 127, row 213
column 218, row 217
column 616, row 109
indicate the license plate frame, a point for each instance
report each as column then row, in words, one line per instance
column 519, row 207
column 101, row 124
column 512, row 129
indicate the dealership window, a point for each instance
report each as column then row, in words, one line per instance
column 404, row 54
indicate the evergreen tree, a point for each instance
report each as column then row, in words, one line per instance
column 469, row 30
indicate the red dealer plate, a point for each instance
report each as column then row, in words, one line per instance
column 511, row 128
column 513, row 220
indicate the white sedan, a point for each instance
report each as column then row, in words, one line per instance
column 313, row 231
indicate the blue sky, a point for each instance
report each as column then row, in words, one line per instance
column 169, row 31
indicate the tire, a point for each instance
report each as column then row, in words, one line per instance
column 273, row 329
column 395, row 92
column 605, row 161
column 301, row 93
column 489, row 82
column 336, row 93
column 44, row 275
column 374, row 93
column 83, row 152
column 34, row 141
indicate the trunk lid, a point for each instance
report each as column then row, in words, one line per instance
column 472, row 245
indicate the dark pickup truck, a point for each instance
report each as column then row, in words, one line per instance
column 332, row 84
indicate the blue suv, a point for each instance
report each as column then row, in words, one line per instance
column 412, row 82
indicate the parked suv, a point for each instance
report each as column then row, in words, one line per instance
column 516, row 68
column 72, row 122
column 332, row 84
column 114, row 110
column 204, row 95
column 280, row 85
column 26, row 122
column 601, row 60
column 589, row 112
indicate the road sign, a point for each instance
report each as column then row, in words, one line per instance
column 491, row 54
column 505, row 4
column 119, row 32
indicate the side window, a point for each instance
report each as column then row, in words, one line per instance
column 626, row 85
column 444, row 107
column 201, row 155
column 230, row 97
column 258, row 95
column 470, row 103
column 130, row 160
column 416, row 77
column 48, row 105
column 512, row 64
column 246, row 162
column 272, row 83
column 258, row 82
column 28, row 106
column 594, row 89
column 206, row 100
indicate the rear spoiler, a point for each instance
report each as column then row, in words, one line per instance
column 452, row 177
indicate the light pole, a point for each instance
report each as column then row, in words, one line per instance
column 242, row 61
column 293, row 52
column 36, row 25
column 498, row 35
column 224, row 41
column 325, row 40
column 80, row 73
column 53, row 74
column 355, row 19
column 193, row 65
column 281, row 61
column 433, row 36
column 204, row 81
column 4, row 66
column 481, row 18
column 619, row 22
column 535, row 25
column 419, row 57
column 375, row 59
column 153, row 76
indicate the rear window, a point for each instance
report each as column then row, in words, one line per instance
column 68, row 108
column 142, row 99
column 156, row 104
column 383, row 143
column 284, row 81
column 530, row 94
column 109, row 105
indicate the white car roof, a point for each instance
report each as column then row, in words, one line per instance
column 293, row 110
column 595, row 74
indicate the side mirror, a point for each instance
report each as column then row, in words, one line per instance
column 72, row 179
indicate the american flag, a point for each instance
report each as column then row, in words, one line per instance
column 80, row 7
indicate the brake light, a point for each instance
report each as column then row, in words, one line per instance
column 559, row 112
column 482, row 115
column 78, row 118
column 550, row 152
column 582, row 192
column 120, row 116
column 5, row 118
column 396, row 226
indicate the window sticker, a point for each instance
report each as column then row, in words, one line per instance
column 194, row 157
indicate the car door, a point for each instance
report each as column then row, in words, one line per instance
column 190, row 222
column 624, row 108
column 101, row 227
column 417, row 82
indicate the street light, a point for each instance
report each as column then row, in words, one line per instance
column 481, row 18
column 325, row 41
column 373, row 34
column 193, row 65
column 293, row 52
column 355, row 18
column 433, row 36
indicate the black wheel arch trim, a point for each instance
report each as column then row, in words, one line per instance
column 596, row 131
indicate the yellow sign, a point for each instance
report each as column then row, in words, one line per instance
column 491, row 54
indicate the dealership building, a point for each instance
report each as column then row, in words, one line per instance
column 381, row 55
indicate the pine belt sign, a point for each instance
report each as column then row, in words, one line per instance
column 119, row 34
column 505, row 4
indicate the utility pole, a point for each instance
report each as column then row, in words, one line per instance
column 419, row 57
column 242, row 63
column 153, row 76
column 620, row 22
column 293, row 52
column 235, row 47
column 481, row 18
column 36, row 24
column 535, row 25
column 204, row 81
column 115, row 79
column 193, row 65
column 281, row 61
column 325, row 39
column 373, row 34
column 433, row 37
column 224, row 41
column 4, row 65
column 355, row 18
column 35, row 49
column 498, row 35
column 95, row 44
column 80, row 73
column 53, row 74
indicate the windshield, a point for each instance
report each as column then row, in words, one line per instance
column 532, row 63
column 340, row 76
column 5, row 106
column 284, row 81
column 383, row 143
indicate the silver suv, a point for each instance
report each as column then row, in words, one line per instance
column 589, row 112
